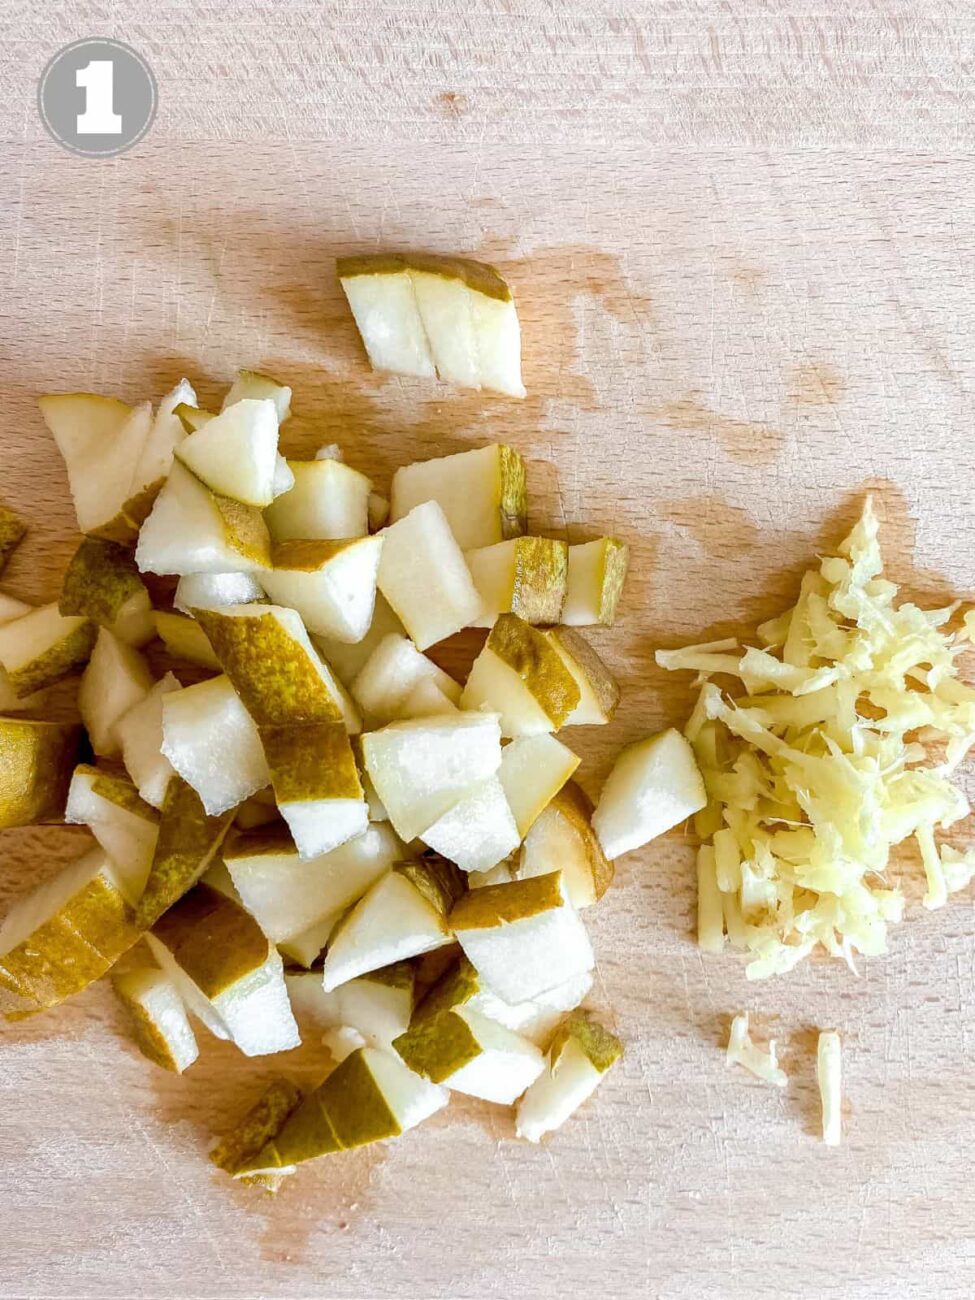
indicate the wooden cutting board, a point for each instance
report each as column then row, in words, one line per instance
column 727, row 343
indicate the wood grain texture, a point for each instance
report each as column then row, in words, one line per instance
column 724, row 347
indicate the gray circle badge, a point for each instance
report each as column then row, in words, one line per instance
column 97, row 97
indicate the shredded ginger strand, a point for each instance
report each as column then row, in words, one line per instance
column 841, row 741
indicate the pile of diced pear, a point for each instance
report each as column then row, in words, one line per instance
column 295, row 831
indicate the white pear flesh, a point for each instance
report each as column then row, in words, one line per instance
column 166, row 433
column 478, row 832
column 425, row 700
column 162, row 1030
column 498, row 336
column 39, row 648
column 563, row 839
column 557, row 1094
column 444, row 303
column 186, row 532
column 388, row 319
column 235, row 453
column 533, row 770
column 10, row 608
column 390, row 676
column 251, row 384
column 391, row 923
column 655, row 784
column 347, row 659
column 306, row 948
column 493, row 684
column 482, row 493
column 116, row 679
column 211, row 590
column 423, row 575
column 535, row 1020
column 287, row 894
column 124, row 826
column 597, row 571
column 522, row 938
column 337, row 597
column 212, row 742
column 500, row 1064
column 377, row 1006
column 329, row 501
column 422, row 767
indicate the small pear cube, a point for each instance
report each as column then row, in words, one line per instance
column 102, row 583
column 221, row 950
column 597, row 571
column 467, row 1052
column 12, row 532
column 316, row 784
column 40, row 648
column 140, row 735
column 329, row 501
column 347, row 659
column 655, row 784
column 377, row 1006
column 192, row 529
column 423, row 575
column 160, row 1025
column 288, row 894
column 184, row 639
column 212, row 742
column 306, row 947
column 116, row 679
column 482, row 492
column 579, row 1058
column 37, row 760
column 522, row 938
column 64, row 935
column 122, row 823
column 211, row 590
column 252, row 385
column 478, row 832
column 519, row 675
column 443, row 298
column 533, row 770
column 385, row 688
column 260, row 1125
column 156, row 459
column 187, row 842
column 599, row 692
column 524, row 576
column 422, row 767
column 235, row 453
column 380, row 293
column 562, row 839
column 332, row 585
column 401, row 916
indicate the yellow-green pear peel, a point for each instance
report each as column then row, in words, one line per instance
column 100, row 581
column 438, row 1046
column 43, row 647
column 255, row 1130
column 212, row 939
column 495, row 905
column 188, row 839
column 311, row 761
column 600, row 1047
column 36, row 763
column 12, row 532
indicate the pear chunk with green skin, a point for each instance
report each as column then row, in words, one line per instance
column 192, row 529
column 468, row 1053
column 522, row 938
column 212, row 590
column 329, row 500
column 36, row 763
column 401, row 916
column 422, row 767
column 483, row 493
column 521, row 676
column 63, row 936
column 581, row 1054
column 332, row 585
column 251, row 385
column 101, row 440
column 597, row 571
column 370, row 1097
column 287, row 894
column 222, row 950
column 235, row 453
column 533, row 770
column 156, row 460
column 390, row 676
column 599, row 692
column 184, row 639
column 478, row 832
column 103, row 584
column 275, row 669
column 160, row 1025
column 655, row 784
column 423, row 575
column 444, row 301
column 212, row 742
column 524, row 576
column 381, row 295
column 116, row 679
column 347, row 659
column 316, row 784
column 122, row 823
column 260, row 1125
column 187, row 842
column 41, row 648
column 12, row 532
column 140, row 736
column 562, row 839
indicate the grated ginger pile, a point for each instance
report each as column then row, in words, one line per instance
column 852, row 724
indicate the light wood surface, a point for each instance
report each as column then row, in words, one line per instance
column 727, row 341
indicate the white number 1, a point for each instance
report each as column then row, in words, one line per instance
column 97, row 78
